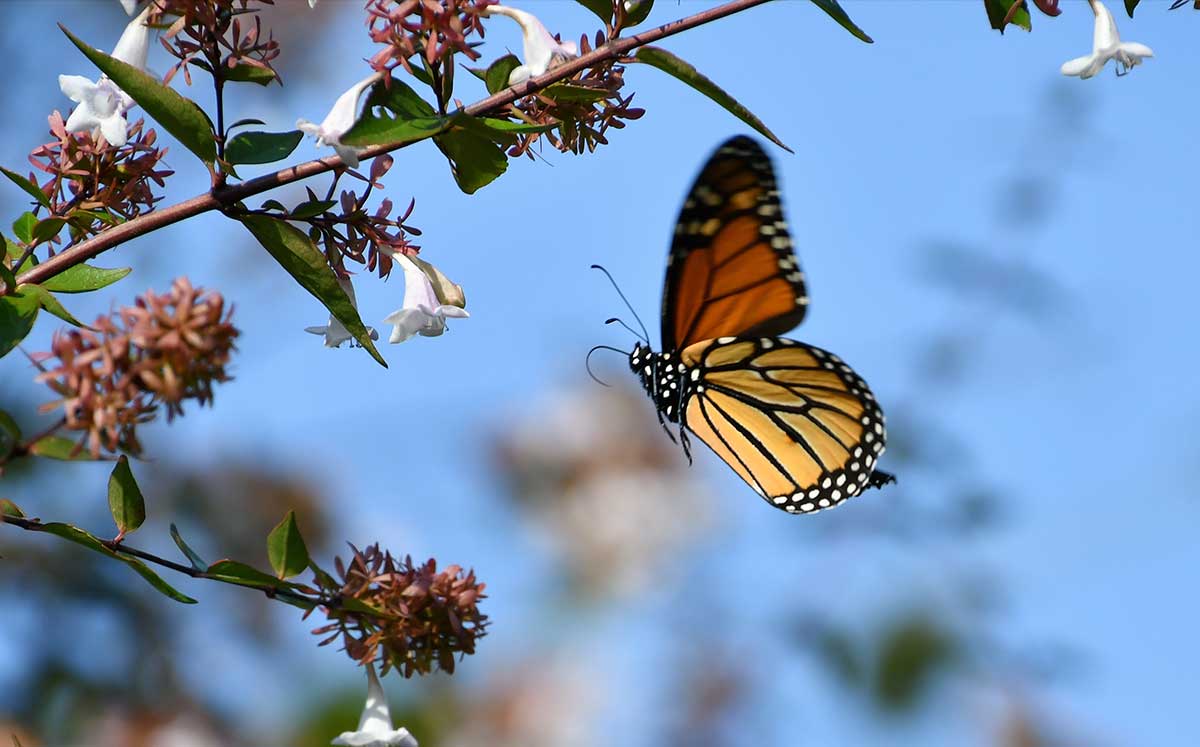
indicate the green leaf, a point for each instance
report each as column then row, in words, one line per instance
column 233, row 572
column 638, row 12
column 505, row 126
column 496, row 78
column 47, row 229
column 475, row 161
column 400, row 99
column 1129, row 6
column 192, row 557
column 292, row 249
column 836, row 13
column 262, row 147
column 48, row 302
column 8, row 508
column 997, row 11
column 249, row 74
column 83, row 278
column 80, row 537
column 177, row 115
column 244, row 123
column 23, row 227
column 285, row 548
column 32, row 189
column 572, row 94
column 669, row 63
column 602, row 8
column 18, row 312
column 372, row 130
column 406, row 117
column 10, row 434
column 6, row 274
column 125, row 498
column 311, row 208
column 58, row 447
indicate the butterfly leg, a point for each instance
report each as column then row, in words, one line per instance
column 687, row 444
column 879, row 478
column 665, row 427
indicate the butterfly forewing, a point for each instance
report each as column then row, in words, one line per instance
column 732, row 270
column 794, row 421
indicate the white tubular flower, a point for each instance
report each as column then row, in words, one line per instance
column 375, row 724
column 541, row 49
column 130, row 6
column 334, row 332
column 1106, row 45
column 422, row 313
column 312, row 3
column 102, row 105
column 134, row 45
column 341, row 118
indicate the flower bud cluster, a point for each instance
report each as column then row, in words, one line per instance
column 92, row 182
column 163, row 350
column 422, row 617
column 434, row 29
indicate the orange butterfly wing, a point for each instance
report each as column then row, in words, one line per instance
column 732, row 271
column 794, row 421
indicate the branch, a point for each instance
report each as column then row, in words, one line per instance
column 35, row 525
column 223, row 198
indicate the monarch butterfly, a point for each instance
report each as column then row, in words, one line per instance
column 792, row 420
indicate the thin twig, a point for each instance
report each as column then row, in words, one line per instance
column 219, row 199
column 34, row 525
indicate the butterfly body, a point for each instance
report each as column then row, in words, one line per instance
column 792, row 420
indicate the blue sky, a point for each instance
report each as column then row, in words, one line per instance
column 1085, row 418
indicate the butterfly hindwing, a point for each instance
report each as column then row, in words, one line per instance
column 794, row 421
column 732, row 270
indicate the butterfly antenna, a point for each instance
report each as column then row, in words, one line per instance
column 587, row 362
column 621, row 322
column 645, row 336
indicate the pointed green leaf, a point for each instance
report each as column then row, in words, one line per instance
column 836, row 13
column 244, row 123
column 47, row 229
column 18, row 312
column 311, row 208
column 285, row 548
column 23, row 227
column 30, row 188
column 475, row 161
column 384, row 130
column 997, row 11
column 90, row 541
column 231, row 571
column 394, row 114
column 8, row 508
column 125, row 498
column 192, row 557
column 177, row 115
column 496, row 77
column 573, row 94
column 83, row 278
column 1129, row 6
column 669, row 63
column 249, row 74
column 262, row 147
column 10, row 434
column 58, row 447
column 602, row 8
column 292, row 249
column 48, row 302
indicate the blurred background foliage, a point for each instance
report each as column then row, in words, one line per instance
column 635, row 599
